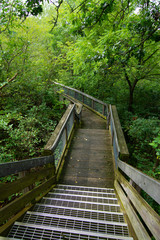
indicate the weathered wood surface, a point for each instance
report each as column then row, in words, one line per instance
column 90, row 160
column 145, row 182
column 124, row 153
column 137, row 226
column 90, row 120
column 23, row 165
column 17, row 205
column 86, row 106
column 7, row 189
column 149, row 216
column 5, row 228
column 53, row 141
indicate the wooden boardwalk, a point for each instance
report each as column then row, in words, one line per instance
column 90, row 161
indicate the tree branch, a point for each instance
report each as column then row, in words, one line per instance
column 151, row 55
column 100, row 15
column 142, row 42
column 10, row 80
column 81, row 4
column 127, row 78
column 57, row 16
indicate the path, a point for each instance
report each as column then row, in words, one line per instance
column 89, row 161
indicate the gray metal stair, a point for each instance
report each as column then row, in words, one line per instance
column 74, row 212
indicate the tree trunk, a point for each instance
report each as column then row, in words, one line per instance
column 130, row 106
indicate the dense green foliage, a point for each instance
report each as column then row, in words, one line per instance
column 28, row 116
column 109, row 49
column 29, row 107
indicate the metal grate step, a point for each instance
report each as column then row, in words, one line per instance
column 119, row 229
column 33, row 216
column 82, row 198
column 84, row 193
column 84, row 188
column 82, row 213
column 74, row 212
column 85, row 205
column 34, row 232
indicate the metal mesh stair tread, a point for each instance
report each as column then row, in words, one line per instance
column 84, row 193
column 33, row 216
column 78, row 212
column 78, row 194
column 83, row 205
column 84, row 188
column 82, row 198
column 74, row 212
column 82, row 225
column 32, row 231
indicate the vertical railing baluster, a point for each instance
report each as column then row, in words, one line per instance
column 66, row 133
column 112, row 135
column 92, row 103
column 82, row 98
column 104, row 108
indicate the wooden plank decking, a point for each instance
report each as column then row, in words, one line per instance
column 90, row 160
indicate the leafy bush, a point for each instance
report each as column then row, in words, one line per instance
column 26, row 127
column 142, row 132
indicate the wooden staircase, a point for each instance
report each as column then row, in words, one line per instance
column 74, row 212
column 83, row 205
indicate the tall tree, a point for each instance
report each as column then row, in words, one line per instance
column 117, row 39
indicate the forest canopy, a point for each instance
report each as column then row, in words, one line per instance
column 108, row 49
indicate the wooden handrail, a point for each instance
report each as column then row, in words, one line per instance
column 137, row 229
column 23, row 165
column 20, row 184
column 43, row 171
column 117, row 134
column 123, row 153
column 88, row 101
column 149, row 216
column 130, row 198
column 84, row 94
column 53, row 141
column 150, row 185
